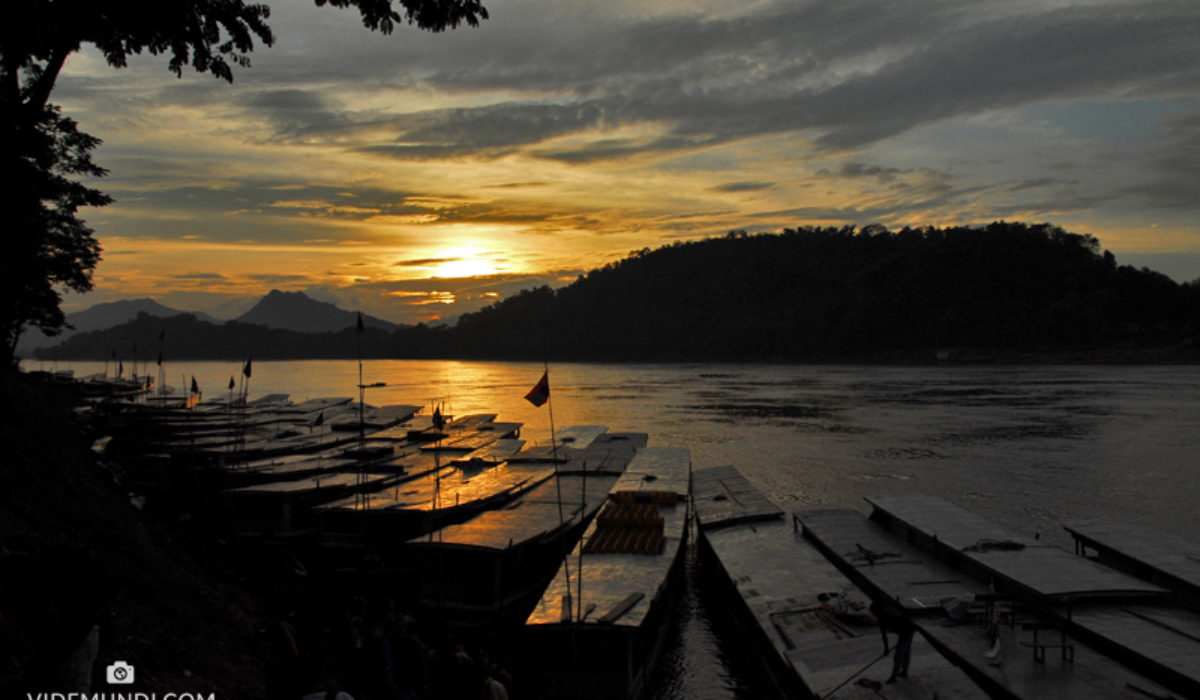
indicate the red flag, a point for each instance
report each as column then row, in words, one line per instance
column 246, row 369
column 540, row 393
column 195, row 386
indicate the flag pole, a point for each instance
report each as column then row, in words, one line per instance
column 550, row 400
column 358, row 332
column 558, row 487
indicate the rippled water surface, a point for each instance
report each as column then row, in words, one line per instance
column 1032, row 447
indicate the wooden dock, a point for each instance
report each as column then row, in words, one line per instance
column 772, row 581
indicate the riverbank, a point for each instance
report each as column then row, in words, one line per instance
column 183, row 625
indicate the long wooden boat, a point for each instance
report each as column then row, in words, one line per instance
column 437, row 493
column 810, row 628
column 491, row 569
column 1010, row 648
column 285, row 507
column 600, row 625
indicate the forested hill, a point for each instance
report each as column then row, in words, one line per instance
column 842, row 293
column 810, row 294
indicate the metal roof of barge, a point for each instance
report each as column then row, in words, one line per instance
column 906, row 574
column 897, row 569
column 1174, row 560
column 724, row 497
column 779, row 576
column 1037, row 567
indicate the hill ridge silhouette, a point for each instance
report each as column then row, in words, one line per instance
column 808, row 294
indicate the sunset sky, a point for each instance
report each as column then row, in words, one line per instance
column 419, row 175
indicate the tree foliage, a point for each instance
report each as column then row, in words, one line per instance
column 48, row 246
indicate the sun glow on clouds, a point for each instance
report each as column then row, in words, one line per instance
column 526, row 147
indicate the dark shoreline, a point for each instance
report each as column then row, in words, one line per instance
column 1181, row 354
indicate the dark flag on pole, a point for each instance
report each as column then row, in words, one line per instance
column 160, row 358
column 246, row 369
column 540, row 393
column 320, row 420
column 438, row 421
column 232, row 383
column 121, row 368
column 359, row 327
column 195, row 386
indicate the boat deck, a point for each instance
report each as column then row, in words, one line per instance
column 774, row 578
column 473, row 437
column 531, row 516
column 490, row 454
column 316, row 484
column 567, row 442
column 619, row 588
column 448, row 488
column 608, row 453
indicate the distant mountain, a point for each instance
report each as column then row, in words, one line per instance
column 1007, row 292
column 296, row 311
column 103, row 316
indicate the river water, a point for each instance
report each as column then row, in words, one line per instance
column 1032, row 447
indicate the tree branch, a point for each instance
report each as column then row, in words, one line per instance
column 39, row 93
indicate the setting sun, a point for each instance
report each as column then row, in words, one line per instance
column 465, row 267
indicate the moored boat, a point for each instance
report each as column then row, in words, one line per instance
column 811, row 629
column 601, row 623
column 1012, row 643
column 491, row 569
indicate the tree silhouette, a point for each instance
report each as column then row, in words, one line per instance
column 46, row 244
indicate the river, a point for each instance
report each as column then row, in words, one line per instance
column 1032, row 447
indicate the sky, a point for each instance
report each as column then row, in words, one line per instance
column 418, row 175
